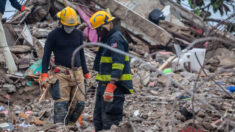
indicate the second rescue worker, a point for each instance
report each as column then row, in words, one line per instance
column 114, row 73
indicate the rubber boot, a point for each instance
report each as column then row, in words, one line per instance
column 78, row 111
column 60, row 111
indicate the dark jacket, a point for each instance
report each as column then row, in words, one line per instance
column 63, row 46
column 14, row 3
column 112, row 65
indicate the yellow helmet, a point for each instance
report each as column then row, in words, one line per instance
column 68, row 17
column 100, row 18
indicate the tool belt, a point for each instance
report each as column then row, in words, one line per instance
column 64, row 70
column 67, row 73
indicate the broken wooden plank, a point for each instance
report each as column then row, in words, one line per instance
column 150, row 32
column 22, row 14
column 164, row 65
column 45, row 91
column 25, row 16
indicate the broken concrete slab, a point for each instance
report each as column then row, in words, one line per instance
column 144, row 76
column 20, row 49
column 27, row 35
column 39, row 47
column 136, row 24
column 11, row 35
column 41, row 9
column 136, row 82
column 225, row 56
column 24, row 63
column 10, row 88
column 40, row 32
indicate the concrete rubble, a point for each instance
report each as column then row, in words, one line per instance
column 158, row 104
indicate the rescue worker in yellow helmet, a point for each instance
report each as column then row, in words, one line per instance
column 62, row 41
column 114, row 73
column 69, row 19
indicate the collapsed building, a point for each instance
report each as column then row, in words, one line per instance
column 193, row 91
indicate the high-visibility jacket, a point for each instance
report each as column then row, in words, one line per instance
column 114, row 66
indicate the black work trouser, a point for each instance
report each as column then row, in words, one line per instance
column 107, row 114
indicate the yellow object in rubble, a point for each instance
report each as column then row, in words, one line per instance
column 68, row 17
column 100, row 18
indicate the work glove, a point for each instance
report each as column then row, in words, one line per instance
column 44, row 79
column 24, row 8
column 87, row 75
column 108, row 94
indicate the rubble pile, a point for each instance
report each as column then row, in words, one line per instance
column 158, row 103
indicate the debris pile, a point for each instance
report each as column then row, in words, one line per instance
column 158, row 103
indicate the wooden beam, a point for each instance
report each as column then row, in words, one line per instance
column 22, row 15
column 45, row 91
column 136, row 23
column 164, row 65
